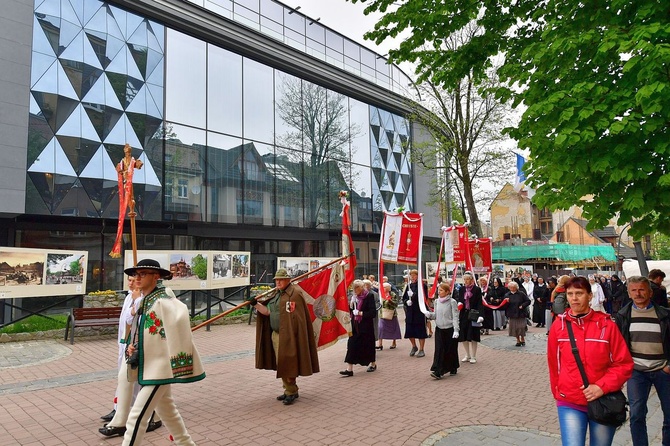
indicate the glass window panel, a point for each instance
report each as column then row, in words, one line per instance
column 352, row 49
column 368, row 73
column 256, row 200
column 221, row 7
column 360, row 131
column 382, row 66
column 334, row 57
column 334, row 41
column 272, row 28
column 361, row 198
column 224, row 180
column 246, row 16
column 288, row 110
column 317, row 33
column 185, row 150
column 316, row 49
column 295, row 39
column 294, row 21
column 336, row 134
column 287, row 171
column 368, row 57
column 272, row 10
column 352, row 65
column 224, row 92
column 186, row 79
column 258, row 101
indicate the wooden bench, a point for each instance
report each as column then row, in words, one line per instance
column 91, row 317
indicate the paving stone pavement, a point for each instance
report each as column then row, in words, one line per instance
column 53, row 393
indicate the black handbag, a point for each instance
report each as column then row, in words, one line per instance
column 610, row 409
column 473, row 315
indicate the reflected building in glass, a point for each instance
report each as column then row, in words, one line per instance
column 249, row 118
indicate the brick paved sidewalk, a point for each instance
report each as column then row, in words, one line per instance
column 503, row 399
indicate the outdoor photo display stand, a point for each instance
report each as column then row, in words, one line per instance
column 400, row 242
column 325, row 289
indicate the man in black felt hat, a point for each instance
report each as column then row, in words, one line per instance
column 285, row 337
column 166, row 355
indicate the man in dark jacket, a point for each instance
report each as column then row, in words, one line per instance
column 659, row 293
column 646, row 328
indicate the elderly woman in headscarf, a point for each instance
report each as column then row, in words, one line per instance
column 361, row 344
column 470, row 296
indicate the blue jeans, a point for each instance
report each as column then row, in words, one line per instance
column 573, row 424
column 639, row 386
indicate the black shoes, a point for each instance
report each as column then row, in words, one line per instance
column 112, row 431
column 153, row 425
column 289, row 399
column 518, row 344
column 435, row 375
column 372, row 368
column 109, row 416
column 283, row 396
column 347, row 373
column 452, row 373
column 379, row 347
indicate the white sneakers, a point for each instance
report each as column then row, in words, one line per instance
column 473, row 360
column 465, row 359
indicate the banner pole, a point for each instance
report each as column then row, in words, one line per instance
column 247, row 302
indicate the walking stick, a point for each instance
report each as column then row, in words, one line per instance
column 247, row 302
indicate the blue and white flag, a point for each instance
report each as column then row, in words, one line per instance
column 520, row 175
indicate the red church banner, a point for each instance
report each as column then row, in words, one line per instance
column 401, row 238
column 481, row 253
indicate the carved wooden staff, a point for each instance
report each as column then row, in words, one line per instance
column 266, row 293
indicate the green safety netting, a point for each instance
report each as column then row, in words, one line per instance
column 561, row 252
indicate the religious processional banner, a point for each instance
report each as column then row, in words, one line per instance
column 481, row 254
column 402, row 236
column 328, row 305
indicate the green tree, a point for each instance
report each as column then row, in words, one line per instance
column 660, row 246
column 466, row 127
column 592, row 78
column 199, row 266
column 75, row 267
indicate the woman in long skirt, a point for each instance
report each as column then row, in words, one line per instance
column 389, row 328
column 446, row 316
column 361, row 344
column 516, row 312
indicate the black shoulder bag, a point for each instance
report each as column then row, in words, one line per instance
column 610, row 409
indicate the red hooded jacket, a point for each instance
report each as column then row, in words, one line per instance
column 603, row 351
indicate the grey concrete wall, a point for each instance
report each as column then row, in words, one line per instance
column 16, row 24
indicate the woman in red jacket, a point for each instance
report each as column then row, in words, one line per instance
column 606, row 359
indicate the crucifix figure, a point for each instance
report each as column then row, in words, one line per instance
column 125, row 170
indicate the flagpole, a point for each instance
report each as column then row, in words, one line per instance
column 247, row 302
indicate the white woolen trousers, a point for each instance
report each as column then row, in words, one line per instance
column 159, row 399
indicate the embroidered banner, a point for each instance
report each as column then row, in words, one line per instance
column 480, row 251
column 328, row 306
column 401, row 238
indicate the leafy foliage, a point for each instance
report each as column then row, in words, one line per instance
column 593, row 78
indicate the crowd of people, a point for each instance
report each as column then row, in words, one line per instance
column 602, row 333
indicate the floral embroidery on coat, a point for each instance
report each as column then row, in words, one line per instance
column 154, row 325
column 182, row 364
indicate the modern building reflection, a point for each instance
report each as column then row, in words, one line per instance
column 249, row 118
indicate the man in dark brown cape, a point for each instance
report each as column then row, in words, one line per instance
column 285, row 339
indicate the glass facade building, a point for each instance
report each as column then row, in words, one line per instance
column 248, row 116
